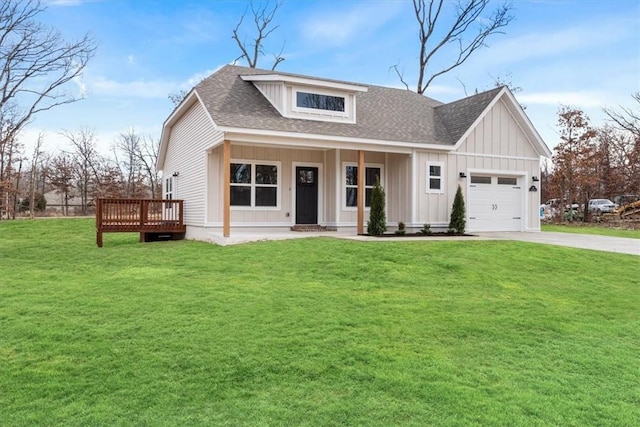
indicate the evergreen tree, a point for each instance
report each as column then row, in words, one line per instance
column 377, row 221
column 457, row 222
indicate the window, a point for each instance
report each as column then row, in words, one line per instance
column 351, row 184
column 507, row 180
column 475, row 179
column 168, row 188
column 319, row 101
column 254, row 185
column 168, row 192
column 435, row 177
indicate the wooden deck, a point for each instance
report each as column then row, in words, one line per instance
column 153, row 219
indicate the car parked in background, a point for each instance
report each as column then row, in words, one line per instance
column 599, row 206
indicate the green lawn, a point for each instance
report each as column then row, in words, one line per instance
column 592, row 229
column 316, row 332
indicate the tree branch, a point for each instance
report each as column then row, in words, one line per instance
column 468, row 14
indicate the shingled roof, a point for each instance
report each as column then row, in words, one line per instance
column 458, row 116
column 382, row 113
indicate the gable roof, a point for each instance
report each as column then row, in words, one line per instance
column 233, row 102
column 458, row 116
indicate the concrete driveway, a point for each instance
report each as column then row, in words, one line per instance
column 583, row 241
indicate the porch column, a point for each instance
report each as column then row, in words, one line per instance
column 226, row 189
column 361, row 191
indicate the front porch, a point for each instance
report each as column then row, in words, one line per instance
column 253, row 186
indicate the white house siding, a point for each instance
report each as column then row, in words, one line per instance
column 331, row 186
column 398, row 188
column 496, row 146
column 498, row 134
column 273, row 92
column 432, row 208
column 256, row 217
column 186, row 155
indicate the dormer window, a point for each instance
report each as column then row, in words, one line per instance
column 297, row 97
column 320, row 101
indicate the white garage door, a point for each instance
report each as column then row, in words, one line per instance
column 495, row 203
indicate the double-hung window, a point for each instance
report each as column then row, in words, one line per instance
column 351, row 184
column 435, row 177
column 254, row 184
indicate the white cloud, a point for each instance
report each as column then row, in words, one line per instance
column 133, row 89
column 340, row 27
column 148, row 89
column 578, row 39
column 68, row 2
column 581, row 98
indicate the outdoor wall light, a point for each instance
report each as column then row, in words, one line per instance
column 535, row 179
column 176, row 174
column 463, row 175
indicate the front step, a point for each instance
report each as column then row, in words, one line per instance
column 310, row 227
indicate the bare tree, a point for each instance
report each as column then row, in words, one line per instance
column 262, row 18
column 35, row 160
column 86, row 163
column 148, row 157
column 61, row 176
column 628, row 119
column 177, row 97
column 469, row 30
column 36, row 65
column 134, row 163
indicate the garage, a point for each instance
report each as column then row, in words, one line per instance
column 495, row 203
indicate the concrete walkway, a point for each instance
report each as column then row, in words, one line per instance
column 582, row 241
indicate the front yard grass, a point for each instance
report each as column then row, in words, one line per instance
column 592, row 229
column 313, row 332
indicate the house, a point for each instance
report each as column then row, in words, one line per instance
column 251, row 149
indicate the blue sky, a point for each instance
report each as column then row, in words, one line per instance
column 583, row 53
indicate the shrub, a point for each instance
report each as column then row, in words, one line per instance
column 40, row 202
column 426, row 229
column 401, row 229
column 457, row 222
column 377, row 221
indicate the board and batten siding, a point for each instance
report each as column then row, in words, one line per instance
column 186, row 155
column 254, row 153
column 433, row 208
column 398, row 188
column 274, row 92
column 498, row 134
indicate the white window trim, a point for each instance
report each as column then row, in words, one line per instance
column 278, row 186
column 429, row 176
column 344, row 183
column 328, row 113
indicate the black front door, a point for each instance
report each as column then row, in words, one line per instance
column 306, row 195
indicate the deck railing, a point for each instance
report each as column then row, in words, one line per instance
column 145, row 216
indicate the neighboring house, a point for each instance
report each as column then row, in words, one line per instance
column 255, row 149
column 56, row 203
